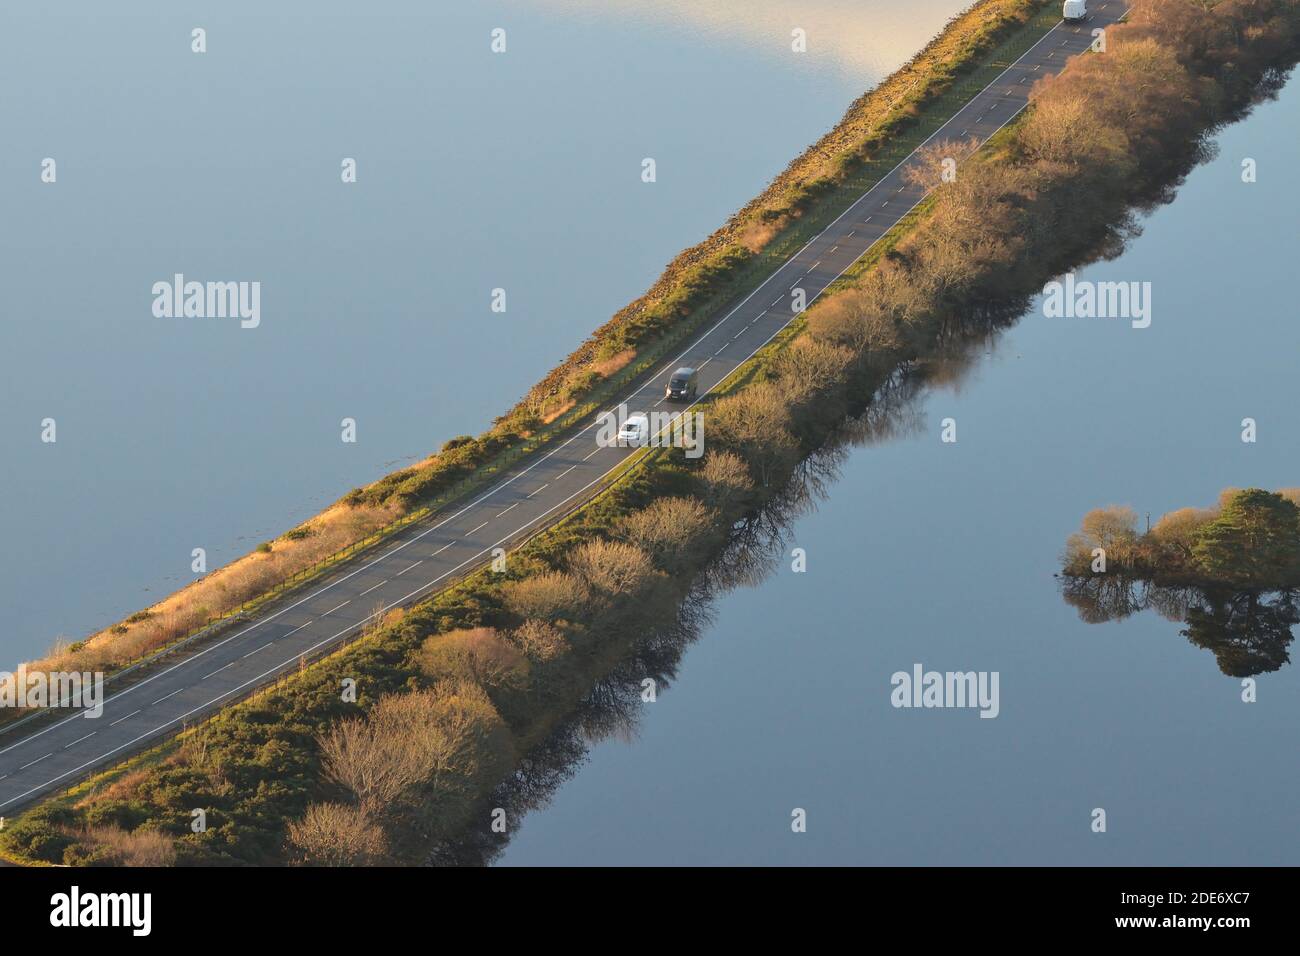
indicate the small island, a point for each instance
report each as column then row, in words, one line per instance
column 1229, row 573
column 1249, row 540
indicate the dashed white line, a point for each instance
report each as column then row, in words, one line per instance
column 329, row 612
column 263, row 647
column 368, row 590
column 480, row 527
column 548, row 484
column 172, row 694
column 565, row 472
column 218, row 670
column 35, row 762
column 504, row 510
column 404, row 570
column 80, row 739
column 127, row 717
column 449, row 544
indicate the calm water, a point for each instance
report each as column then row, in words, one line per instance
column 475, row 171
column 944, row 555
column 522, row 171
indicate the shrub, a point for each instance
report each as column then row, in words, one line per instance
column 546, row 596
column 673, row 531
column 336, row 834
column 613, row 568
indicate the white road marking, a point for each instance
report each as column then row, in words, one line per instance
column 263, row 647
column 565, row 472
column 130, row 715
column 504, row 510
column 368, row 590
column 480, row 527
column 329, row 612
column 35, row 762
column 218, row 670
column 172, row 694
column 80, row 739
column 548, row 484
column 404, row 570
column 446, row 546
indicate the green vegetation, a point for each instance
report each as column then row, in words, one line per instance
column 455, row 693
column 1251, row 539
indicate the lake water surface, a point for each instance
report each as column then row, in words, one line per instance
column 522, row 171
column 943, row 555
column 475, row 171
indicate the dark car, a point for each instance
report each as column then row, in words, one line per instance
column 683, row 385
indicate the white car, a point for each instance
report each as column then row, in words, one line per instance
column 635, row 431
column 1075, row 11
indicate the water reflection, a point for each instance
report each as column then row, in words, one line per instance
column 861, row 43
column 1248, row 632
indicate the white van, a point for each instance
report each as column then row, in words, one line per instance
column 635, row 431
column 1075, row 11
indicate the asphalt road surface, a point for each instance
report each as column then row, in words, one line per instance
column 424, row 556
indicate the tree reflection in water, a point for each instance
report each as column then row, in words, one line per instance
column 1248, row 632
column 612, row 707
column 757, row 544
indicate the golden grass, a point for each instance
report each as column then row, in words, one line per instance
column 558, row 411
column 607, row 367
column 219, row 591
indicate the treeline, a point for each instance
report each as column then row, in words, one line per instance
column 461, row 689
column 1250, row 539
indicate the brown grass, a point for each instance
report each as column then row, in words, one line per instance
column 141, row 848
column 219, row 591
column 559, row 410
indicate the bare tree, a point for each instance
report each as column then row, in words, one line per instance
column 337, row 834
column 612, row 567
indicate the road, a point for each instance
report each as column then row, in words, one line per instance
column 422, row 557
